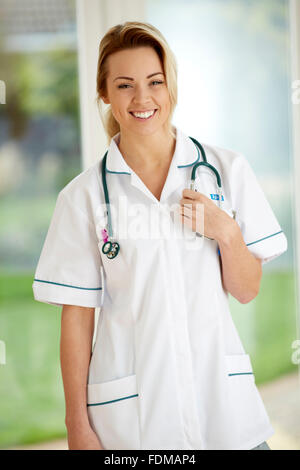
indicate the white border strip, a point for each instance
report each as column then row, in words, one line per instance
column 294, row 10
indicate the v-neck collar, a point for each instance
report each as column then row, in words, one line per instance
column 185, row 154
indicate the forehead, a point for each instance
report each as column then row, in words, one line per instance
column 132, row 62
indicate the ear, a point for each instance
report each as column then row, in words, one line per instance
column 105, row 100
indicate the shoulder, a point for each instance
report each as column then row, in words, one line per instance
column 231, row 163
column 84, row 191
column 223, row 157
column 233, row 167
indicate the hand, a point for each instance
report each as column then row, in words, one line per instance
column 84, row 438
column 195, row 206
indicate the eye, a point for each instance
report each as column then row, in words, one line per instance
column 157, row 81
column 123, row 86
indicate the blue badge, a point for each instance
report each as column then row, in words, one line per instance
column 216, row 197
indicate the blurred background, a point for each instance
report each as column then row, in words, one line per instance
column 235, row 78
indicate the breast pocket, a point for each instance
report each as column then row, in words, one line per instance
column 113, row 412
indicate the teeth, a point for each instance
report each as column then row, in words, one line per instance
column 144, row 115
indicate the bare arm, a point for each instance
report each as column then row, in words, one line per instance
column 241, row 271
column 77, row 326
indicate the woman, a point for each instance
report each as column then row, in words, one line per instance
column 168, row 369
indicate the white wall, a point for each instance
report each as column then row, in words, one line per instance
column 94, row 18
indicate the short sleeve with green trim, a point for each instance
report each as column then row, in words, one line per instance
column 69, row 267
column 261, row 230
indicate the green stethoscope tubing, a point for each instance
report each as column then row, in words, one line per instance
column 111, row 248
column 204, row 163
column 110, row 233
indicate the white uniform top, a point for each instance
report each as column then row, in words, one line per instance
column 168, row 369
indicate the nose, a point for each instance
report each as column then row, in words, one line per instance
column 141, row 95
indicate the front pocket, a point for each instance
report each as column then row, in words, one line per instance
column 113, row 412
column 248, row 416
column 239, row 365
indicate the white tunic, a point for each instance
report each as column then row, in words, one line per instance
column 168, row 369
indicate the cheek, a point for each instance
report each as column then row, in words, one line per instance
column 167, row 102
column 163, row 97
column 119, row 110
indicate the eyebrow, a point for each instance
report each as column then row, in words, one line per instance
column 149, row 76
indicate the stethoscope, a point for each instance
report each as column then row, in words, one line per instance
column 110, row 247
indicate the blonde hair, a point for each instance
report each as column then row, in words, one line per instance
column 129, row 35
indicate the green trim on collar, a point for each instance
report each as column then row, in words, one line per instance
column 118, row 172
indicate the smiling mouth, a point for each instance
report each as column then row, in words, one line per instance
column 143, row 118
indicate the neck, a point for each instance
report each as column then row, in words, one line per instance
column 147, row 152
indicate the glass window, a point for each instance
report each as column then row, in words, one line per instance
column 234, row 92
column 39, row 154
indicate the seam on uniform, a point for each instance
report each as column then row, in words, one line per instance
column 261, row 239
column 112, row 401
column 190, row 164
column 67, row 285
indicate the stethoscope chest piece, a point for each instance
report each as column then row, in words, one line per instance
column 111, row 249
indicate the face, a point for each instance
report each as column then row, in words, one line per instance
column 142, row 90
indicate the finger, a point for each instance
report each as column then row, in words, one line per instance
column 193, row 195
column 189, row 193
column 187, row 212
column 188, row 222
column 188, row 202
